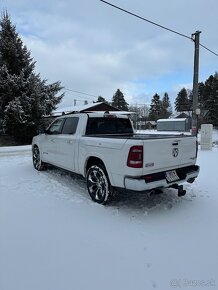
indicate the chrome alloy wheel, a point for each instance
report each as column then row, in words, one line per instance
column 98, row 184
column 37, row 162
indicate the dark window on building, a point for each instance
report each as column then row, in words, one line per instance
column 70, row 125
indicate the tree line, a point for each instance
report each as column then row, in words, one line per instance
column 207, row 100
column 161, row 108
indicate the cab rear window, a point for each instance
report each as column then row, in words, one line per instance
column 114, row 125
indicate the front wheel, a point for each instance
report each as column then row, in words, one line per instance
column 37, row 162
column 98, row 184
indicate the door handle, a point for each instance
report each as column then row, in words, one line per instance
column 69, row 141
column 52, row 140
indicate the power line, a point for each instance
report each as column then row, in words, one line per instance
column 149, row 21
column 86, row 94
column 156, row 24
column 82, row 98
column 80, row 92
column 208, row 49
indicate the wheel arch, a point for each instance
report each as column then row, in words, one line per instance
column 95, row 160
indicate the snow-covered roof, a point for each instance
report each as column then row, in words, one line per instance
column 187, row 113
column 172, row 120
column 116, row 112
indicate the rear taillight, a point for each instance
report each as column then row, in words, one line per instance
column 135, row 157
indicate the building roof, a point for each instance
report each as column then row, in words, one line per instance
column 99, row 106
column 70, row 109
column 183, row 114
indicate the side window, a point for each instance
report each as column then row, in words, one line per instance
column 56, row 126
column 70, row 125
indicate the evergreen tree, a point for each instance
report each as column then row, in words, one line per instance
column 155, row 108
column 182, row 101
column 13, row 54
column 7, row 88
column 166, row 107
column 101, row 99
column 211, row 98
column 118, row 101
column 24, row 114
column 24, row 98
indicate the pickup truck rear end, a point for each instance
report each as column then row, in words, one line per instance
column 165, row 161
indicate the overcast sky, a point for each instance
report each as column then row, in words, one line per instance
column 94, row 48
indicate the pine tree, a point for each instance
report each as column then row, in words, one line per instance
column 166, row 107
column 155, row 108
column 25, row 99
column 182, row 101
column 13, row 54
column 118, row 101
column 7, row 88
column 24, row 114
column 101, row 99
column 211, row 98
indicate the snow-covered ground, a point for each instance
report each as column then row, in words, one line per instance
column 53, row 237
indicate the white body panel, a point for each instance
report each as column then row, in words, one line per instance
column 72, row 152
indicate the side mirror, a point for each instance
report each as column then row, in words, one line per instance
column 43, row 131
column 46, row 131
column 40, row 131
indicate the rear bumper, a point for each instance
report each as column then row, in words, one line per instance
column 158, row 180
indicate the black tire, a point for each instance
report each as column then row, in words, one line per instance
column 37, row 162
column 98, row 184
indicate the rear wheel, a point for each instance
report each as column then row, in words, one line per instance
column 37, row 162
column 98, row 184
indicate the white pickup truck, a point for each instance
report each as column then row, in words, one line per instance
column 104, row 149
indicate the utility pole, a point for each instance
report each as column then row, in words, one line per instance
column 196, row 39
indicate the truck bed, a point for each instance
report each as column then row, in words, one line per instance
column 140, row 136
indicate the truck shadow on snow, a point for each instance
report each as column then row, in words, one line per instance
column 143, row 203
column 140, row 203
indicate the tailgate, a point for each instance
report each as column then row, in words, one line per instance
column 162, row 154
